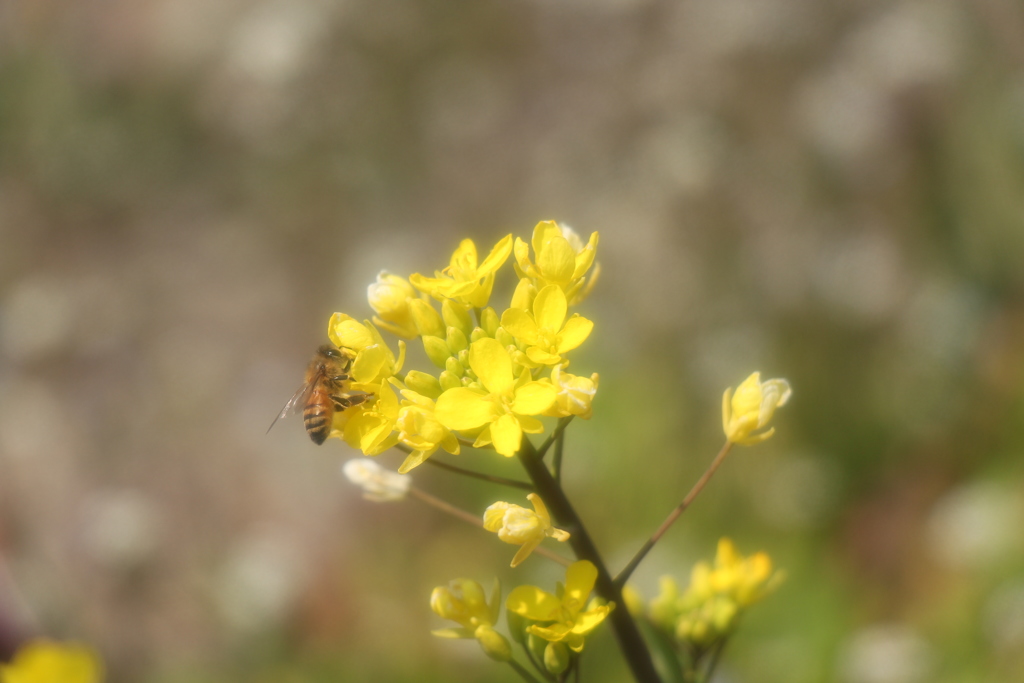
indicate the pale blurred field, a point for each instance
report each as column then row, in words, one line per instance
column 831, row 192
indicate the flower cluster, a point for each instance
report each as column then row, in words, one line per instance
column 710, row 606
column 498, row 369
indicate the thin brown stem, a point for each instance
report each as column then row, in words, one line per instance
column 514, row 483
column 624, row 575
column 475, row 520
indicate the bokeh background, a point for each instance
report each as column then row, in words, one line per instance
column 831, row 192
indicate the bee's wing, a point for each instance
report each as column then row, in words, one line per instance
column 298, row 399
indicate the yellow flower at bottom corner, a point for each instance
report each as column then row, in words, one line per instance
column 464, row 602
column 566, row 617
column 504, row 406
column 517, row 525
column 752, row 407
column 43, row 661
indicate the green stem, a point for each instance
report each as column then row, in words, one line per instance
column 716, row 654
column 556, row 462
column 632, row 644
column 519, row 669
column 624, row 575
column 554, row 436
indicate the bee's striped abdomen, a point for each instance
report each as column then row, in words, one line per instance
column 317, row 416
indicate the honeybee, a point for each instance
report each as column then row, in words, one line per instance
column 323, row 392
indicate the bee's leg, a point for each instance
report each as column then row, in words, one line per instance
column 343, row 401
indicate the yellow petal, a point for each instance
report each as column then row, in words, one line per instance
column 588, row 621
column 497, row 256
column 539, row 507
column 464, row 257
column 585, row 258
column 348, row 332
column 542, row 233
column 464, row 408
column 550, row 307
column 369, row 363
column 520, row 325
column 533, row 398
column 524, row 552
column 491, row 363
column 579, row 580
column 575, row 332
column 507, row 435
column 533, row 603
column 557, row 260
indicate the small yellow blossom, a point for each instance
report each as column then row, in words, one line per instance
column 716, row 596
column 545, row 332
column 374, row 362
column 502, row 405
column 390, row 296
column 566, row 617
column 378, row 484
column 466, row 280
column 464, row 602
column 562, row 260
column 42, row 661
column 522, row 527
column 419, row 428
column 575, row 394
column 370, row 426
column 751, row 408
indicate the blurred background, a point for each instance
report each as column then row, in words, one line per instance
column 831, row 192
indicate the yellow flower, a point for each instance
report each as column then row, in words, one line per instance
column 752, row 407
column 716, row 595
column 466, row 280
column 370, row 426
column 464, row 602
column 389, row 296
column 545, row 332
column 42, row 661
column 374, row 361
column 503, row 405
column 522, row 527
column 575, row 394
column 562, row 260
column 378, row 484
column 419, row 428
column 565, row 617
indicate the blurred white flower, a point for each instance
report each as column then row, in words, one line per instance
column 886, row 653
column 259, row 581
column 976, row 525
column 121, row 527
column 378, row 484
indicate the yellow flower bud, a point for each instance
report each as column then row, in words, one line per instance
column 751, row 408
column 575, row 394
column 389, row 296
column 494, row 645
column 556, row 658
column 43, row 661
